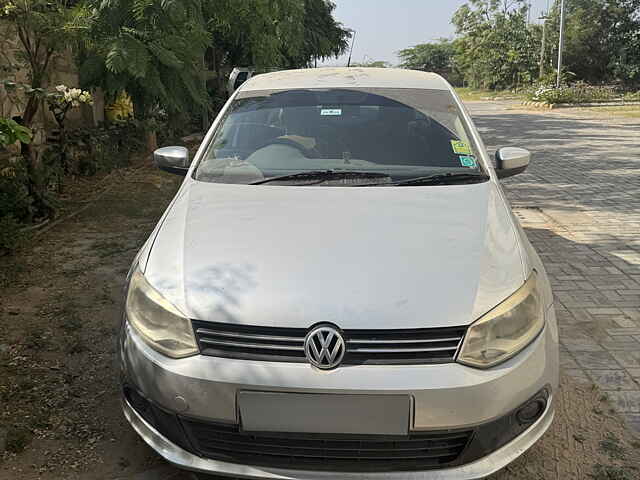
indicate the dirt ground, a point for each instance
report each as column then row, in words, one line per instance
column 60, row 300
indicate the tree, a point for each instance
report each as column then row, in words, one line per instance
column 372, row 64
column 602, row 39
column 42, row 27
column 149, row 48
column 435, row 57
column 322, row 36
column 496, row 47
column 273, row 34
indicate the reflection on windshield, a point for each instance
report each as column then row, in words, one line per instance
column 401, row 133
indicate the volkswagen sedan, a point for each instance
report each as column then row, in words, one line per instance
column 339, row 290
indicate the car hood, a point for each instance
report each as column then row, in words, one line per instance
column 379, row 257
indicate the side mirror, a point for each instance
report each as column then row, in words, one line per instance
column 511, row 161
column 172, row 160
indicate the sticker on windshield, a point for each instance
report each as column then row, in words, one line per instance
column 460, row 147
column 468, row 161
column 331, row 111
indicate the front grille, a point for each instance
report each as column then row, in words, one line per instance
column 399, row 346
column 417, row 451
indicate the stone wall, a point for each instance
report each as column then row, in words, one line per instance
column 62, row 70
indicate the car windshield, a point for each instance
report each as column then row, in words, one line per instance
column 340, row 137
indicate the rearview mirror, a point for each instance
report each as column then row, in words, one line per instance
column 511, row 161
column 172, row 159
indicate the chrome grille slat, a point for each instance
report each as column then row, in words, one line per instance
column 274, row 338
column 439, row 340
column 406, row 350
column 251, row 345
column 280, row 344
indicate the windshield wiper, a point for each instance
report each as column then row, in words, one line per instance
column 443, row 179
column 320, row 176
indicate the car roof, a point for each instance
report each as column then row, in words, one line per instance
column 342, row 77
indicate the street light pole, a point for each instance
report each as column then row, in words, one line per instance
column 353, row 40
column 560, row 45
column 544, row 45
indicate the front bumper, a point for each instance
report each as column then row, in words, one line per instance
column 449, row 396
column 472, row 471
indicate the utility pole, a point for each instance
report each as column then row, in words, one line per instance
column 543, row 51
column 560, row 45
column 353, row 40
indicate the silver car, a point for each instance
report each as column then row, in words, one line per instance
column 339, row 290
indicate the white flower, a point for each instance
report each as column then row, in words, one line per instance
column 61, row 88
column 67, row 96
column 8, row 8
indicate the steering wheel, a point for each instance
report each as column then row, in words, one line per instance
column 335, row 145
column 306, row 152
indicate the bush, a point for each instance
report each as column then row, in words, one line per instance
column 10, row 234
column 632, row 97
column 14, row 192
column 577, row 93
column 30, row 195
column 99, row 149
column 16, row 205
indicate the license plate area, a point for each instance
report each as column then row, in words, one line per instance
column 324, row 413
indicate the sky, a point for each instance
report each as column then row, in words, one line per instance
column 385, row 26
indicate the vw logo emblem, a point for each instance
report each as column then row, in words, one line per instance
column 324, row 347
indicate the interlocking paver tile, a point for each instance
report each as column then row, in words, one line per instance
column 595, row 360
column 627, row 402
column 627, row 359
column 613, row 379
column 584, row 180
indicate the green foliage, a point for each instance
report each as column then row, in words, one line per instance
column 152, row 49
column 577, row 93
column 273, row 34
column 320, row 36
column 100, row 149
column 14, row 194
column 12, row 132
column 435, row 57
column 496, row 48
column 372, row 64
column 632, row 97
column 15, row 201
column 10, row 234
column 602, row 39
column 44, row 28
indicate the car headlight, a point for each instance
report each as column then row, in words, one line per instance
column 506, row 330
column 159, row 323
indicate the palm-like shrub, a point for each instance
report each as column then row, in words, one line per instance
column 152, row 49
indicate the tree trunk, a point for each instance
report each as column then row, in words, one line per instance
column 152, row 141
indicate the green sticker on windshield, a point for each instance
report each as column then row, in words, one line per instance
column 468, row 161
column 460, row 147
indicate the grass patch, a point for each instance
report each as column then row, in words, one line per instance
column 628, row 111
column 610, row 472
column 611, row 446
column 109, row 248
column 470, row 94
column 17, row 439
column 71, row 321
column 74, row 344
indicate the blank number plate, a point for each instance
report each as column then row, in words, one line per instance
column 324, row 413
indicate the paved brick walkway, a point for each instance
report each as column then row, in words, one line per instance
column 580, row 205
